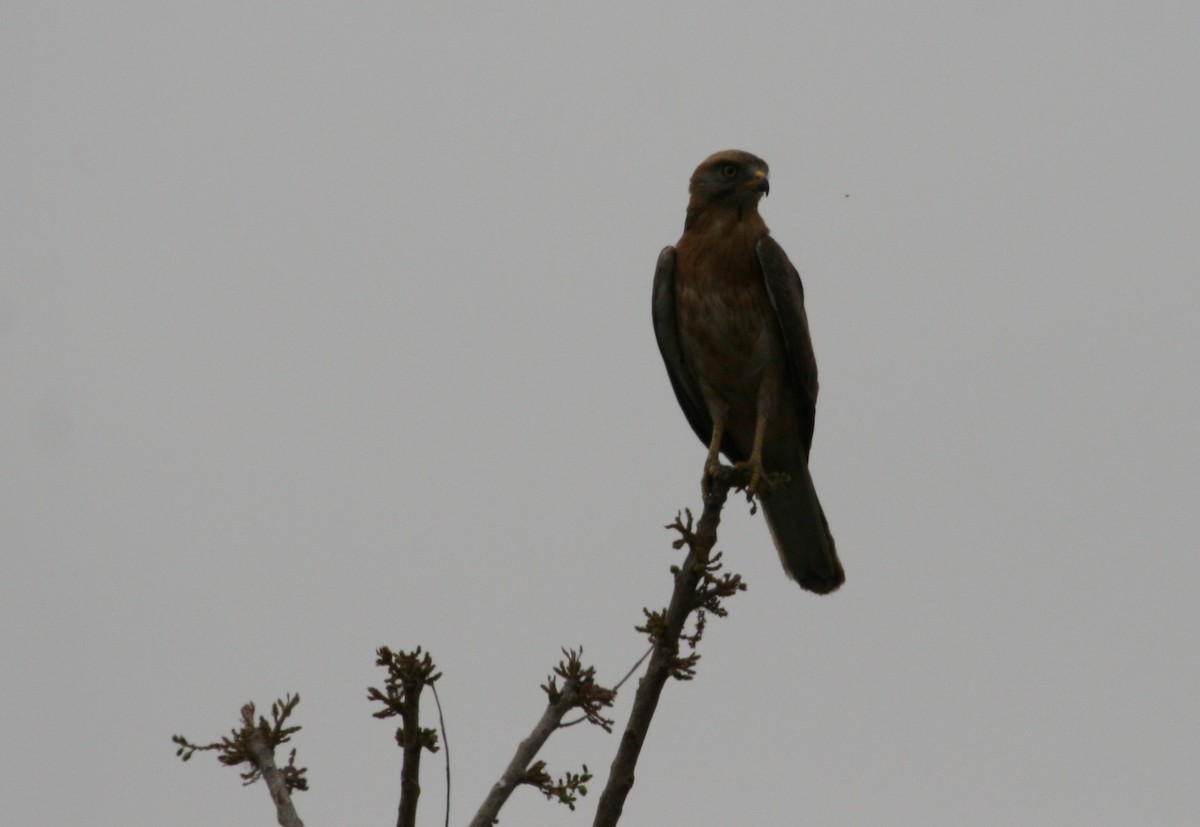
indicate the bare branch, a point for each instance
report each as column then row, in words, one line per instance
column 254, row 744
column 526, row 751
column 264, row 759
column 579, row 691
column 697, row 589
column 408, row 674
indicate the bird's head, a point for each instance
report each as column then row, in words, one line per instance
column 730, row 177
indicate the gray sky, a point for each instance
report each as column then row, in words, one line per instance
column 328, row 327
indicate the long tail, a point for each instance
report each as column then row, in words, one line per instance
column 801, row 533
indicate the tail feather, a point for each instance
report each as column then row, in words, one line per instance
column 801, row 534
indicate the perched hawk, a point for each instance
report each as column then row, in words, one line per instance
column 730, row 322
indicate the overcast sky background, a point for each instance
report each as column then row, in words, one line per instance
column 327, row 326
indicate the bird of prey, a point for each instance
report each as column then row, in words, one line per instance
column 730, row 322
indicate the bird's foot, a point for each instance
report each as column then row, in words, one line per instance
column 760, row 482
column 757, row 477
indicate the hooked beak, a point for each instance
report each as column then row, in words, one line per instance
column 759, row 182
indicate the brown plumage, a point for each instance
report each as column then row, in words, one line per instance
column 730, row 322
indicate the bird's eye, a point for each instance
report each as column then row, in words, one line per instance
column 729, row 170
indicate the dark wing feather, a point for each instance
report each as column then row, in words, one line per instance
column 787, row 296
column 666, row 330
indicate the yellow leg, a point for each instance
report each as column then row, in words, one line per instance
column 713, row 462
column 755, row 461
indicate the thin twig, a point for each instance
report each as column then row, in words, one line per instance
column 445, row 746
column 615, row 688
column 633, row 669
